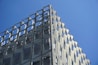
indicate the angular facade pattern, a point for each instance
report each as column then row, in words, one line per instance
column 40, row 39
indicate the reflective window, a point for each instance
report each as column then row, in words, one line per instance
column 26, row 53
column 46, row 31
column 38, row 23
column 38, row 34
column 46, row 61
column 46, row 44
column 29, row 40
column 9, row 49
column 1, row 54
column 19, row 44
column 7, row 61
column 36, row 63
column 16, row 58
column 37, row 49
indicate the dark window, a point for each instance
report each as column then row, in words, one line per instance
column 59, row 37
column 63, row 34
column 60, row 52
column 74, row 58
column 37, row 49
column 38, row 34
column 46, row 44
column 6, row 61
column 46, row 61
column 26, row 53
column 16, row 58
column 69, row 50
column 64, row 44
column 36, row 63
column 72, row 47
column 79, row 63
column 19, row 44
column 28, row 40
column 46, row 31
column 9, row 49
column 1, row 54
column 72, row 63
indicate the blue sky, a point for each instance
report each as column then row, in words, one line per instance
column 80, row 17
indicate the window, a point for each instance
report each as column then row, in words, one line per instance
column 39, row 18
column 19, row 44
column 16, row 58
column 37, row 49
column 72, row 47
column 63, row 34
column 30, row 28
column 64, row 44
column 38, row 23
column 72, row 63
column 66, row 58
column 28, row 40
column 59, row 37
column 56, row 61
column 26, row 53
column 46, row 44
column 79, row 63
column 1, row 53
column 31, row 22
column 69, row 51
column 36, row 63
column 46, row 31
column 46, row 13
column 21, row 33
column 60, row 52
column 38, row 34
column 77, row 53
column 46, row 61
column 7, row 61
column 9, row 49
column 74, row 58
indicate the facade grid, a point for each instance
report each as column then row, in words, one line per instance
column 40, row 39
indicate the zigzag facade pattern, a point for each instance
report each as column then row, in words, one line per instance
column 65, row 50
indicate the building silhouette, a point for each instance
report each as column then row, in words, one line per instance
column 40, row 39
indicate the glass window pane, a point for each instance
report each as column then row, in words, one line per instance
column 16, row 58
column 36, row 63
column 26, row 53
column 7, row 61
column 46, row 44
column 46, row 61
column 37, row 49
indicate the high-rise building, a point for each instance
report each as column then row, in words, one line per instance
column 40, row 39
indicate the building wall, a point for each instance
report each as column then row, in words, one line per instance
column 64, row 48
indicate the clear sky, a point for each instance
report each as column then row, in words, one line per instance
column 80, row 17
